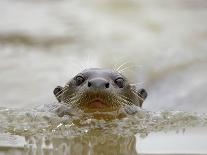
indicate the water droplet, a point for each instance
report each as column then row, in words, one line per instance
column 59, row 125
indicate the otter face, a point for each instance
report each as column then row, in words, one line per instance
column 99, row 90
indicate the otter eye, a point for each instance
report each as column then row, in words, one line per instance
column 79, row 80
column 119, row 82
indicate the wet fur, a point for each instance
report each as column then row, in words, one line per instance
column 79, row 97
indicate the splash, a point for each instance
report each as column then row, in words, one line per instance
column 32, row 122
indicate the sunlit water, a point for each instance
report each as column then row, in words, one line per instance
column 45, row 43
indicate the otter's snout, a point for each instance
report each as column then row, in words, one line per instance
column 98, row 83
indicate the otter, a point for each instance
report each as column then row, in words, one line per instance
column 99, row 90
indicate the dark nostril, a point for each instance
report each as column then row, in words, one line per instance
column 107, row 85
column 89, row 84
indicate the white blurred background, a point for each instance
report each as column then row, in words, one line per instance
column 44, row 43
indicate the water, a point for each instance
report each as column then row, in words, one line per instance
column 45, row 43
column 43, row 132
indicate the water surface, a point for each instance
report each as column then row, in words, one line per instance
column 45, row 43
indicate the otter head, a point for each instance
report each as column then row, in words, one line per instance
column 99, row 90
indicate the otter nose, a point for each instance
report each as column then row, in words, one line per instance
column 98, row 83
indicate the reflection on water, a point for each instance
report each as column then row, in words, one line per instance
column 96, row 143
column 45, row 43
column 86, row 144
column 45, row 133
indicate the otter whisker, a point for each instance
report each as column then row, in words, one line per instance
column 116, row 103
column 122, row 70
column 137, row 94
column 71, row 99
column 125, row 103
column 74, row 98
column 126, row 99
column 121, row 101
column 118, row 69
column 138, row 83
column 74, row 95
column 58, row 93
column 61, row 91
column 131, row 66
column 73, row 103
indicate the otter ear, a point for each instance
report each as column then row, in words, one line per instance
column 57, row 91
column 142, row 93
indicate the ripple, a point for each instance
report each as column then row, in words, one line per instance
column 32, row 122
